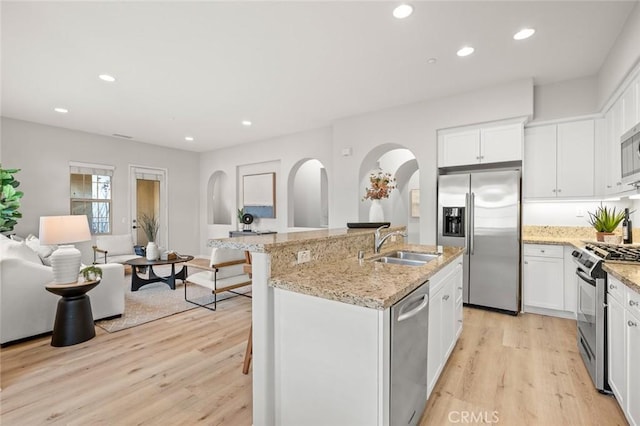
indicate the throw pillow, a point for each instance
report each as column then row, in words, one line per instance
column 17, row 250
column 44, row 252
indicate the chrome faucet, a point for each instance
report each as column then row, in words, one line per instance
column 379, row 241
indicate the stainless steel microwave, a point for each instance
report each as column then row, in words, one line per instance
column 630, row 156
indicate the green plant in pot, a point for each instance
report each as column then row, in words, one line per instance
column 239, row 215
column 9, row 199
column 605, row 220
column 150, row 226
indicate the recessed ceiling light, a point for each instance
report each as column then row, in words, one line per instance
column 465, row 51
column 246, row 123
column 61, row 110
column 188, row 138
column 524, row 33
column 432, row 60
column 107, row 77
column 403, row 11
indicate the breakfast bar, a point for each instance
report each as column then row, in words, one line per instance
column 335, row 314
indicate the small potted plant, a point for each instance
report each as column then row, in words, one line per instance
column 239, row 215
column 150, row 226
column 605, row 220
column 91, row 273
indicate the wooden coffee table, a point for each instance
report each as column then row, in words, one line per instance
column 137, row 281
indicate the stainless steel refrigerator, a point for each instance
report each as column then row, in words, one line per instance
column 481, row 212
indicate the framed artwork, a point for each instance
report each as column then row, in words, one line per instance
column 259, row 195
column 414, row 198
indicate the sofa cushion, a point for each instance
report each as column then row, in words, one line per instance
column 115, row 244
column 18, row 250
column 43, row 251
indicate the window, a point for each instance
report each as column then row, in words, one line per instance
column 91, row 195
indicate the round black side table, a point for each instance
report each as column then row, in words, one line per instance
column 74, row 319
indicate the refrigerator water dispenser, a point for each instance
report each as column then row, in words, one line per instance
column 453, row 221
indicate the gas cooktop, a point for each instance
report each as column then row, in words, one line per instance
column 614, row 252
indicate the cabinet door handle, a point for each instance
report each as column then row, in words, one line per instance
column 445, row 297
column 559, row 190
column 526, row 262
column 460, row 321
column 478, row 157
column 541, row 251
column 553, row 190
column 611, row 286
column 631, row 324
column 608, row 186
column 459, row 288
column 618, row 183
column 633, row 303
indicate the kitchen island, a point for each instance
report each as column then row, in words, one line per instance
column 321, row 329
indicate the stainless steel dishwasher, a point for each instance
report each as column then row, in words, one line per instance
column 409, row 328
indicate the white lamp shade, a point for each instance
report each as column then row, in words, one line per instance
column 64, row 229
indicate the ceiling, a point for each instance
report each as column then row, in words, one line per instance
column 199, row 68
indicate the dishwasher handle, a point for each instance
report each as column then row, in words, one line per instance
column 406, row 315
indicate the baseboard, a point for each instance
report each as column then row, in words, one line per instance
column 549, row 312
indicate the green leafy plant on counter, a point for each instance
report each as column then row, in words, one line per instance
column 9, row 199
column 605, row 219
column 239, row 214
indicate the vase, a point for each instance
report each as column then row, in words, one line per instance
column 376, row 214
column 152, row 251
column 601, row 235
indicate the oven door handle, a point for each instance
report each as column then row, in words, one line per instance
column 585, row 277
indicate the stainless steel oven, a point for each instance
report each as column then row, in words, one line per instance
column 592, row 316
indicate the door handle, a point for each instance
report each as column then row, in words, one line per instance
column 414, row 312
column 445, row 297
column 473, row 221
column 633, row 303
column 467, row 235
column 631, row 324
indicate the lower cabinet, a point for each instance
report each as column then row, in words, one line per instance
column 444, row 320
column 623, row 347
column 549, row 282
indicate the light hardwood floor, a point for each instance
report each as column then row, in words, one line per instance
column 186, row 369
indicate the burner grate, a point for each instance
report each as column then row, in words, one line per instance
column 615, row 252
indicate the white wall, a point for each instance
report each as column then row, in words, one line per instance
column 569, row 98
column 414, row 127
column 621, row 59
column 43, row 153
column 288, row 151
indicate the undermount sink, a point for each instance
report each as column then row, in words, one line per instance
column 398, row 261
column 412, row 255
column 408, row 258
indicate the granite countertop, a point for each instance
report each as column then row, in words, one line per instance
column 627, row 273
column 364, row 283
column 263, row 242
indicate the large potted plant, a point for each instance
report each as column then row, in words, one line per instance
column 9, row 199
column 605, row 220
column 150, row 226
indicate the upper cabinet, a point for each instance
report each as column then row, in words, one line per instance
column 630, row 107
column 480, row 145
column 559, row 160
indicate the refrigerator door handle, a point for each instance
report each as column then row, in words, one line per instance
column 472, row 221
column 466, row 222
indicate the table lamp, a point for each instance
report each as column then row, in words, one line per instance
column 65, row 261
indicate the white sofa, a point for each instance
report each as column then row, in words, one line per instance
column 28, row 309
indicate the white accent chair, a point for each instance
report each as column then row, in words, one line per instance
column 27, row 309
column 225, row 272
column 116, row 249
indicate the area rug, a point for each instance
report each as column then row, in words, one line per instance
column 155, row 301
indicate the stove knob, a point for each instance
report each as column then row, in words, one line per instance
column 575, row 253
column 588, row 264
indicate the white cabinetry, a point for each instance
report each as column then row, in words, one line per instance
column 623, row 347
column 613, row 177
column 480, row 145
column 559, row 160
column 616, row 341
column 549, row 283
column 443, row 320
column 630, row 105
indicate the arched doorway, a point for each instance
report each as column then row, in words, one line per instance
column 308, row 195
column 218, row 205
column 402, row 164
